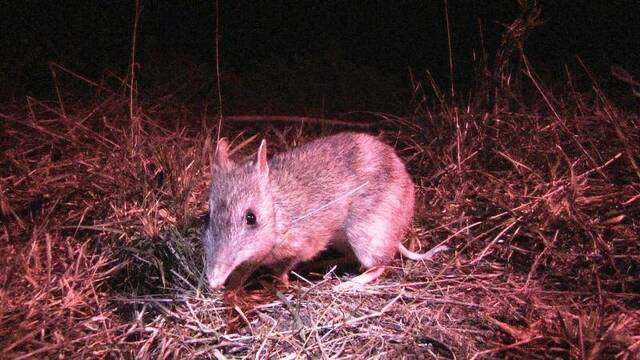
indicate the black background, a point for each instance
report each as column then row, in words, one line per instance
column 388, row 38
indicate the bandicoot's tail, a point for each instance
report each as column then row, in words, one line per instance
column 415, row 256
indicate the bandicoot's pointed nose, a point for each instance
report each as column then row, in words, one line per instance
column 218, row 276
column 215, row 283
column 218, row 273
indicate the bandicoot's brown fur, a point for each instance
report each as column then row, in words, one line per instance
column 348, row 190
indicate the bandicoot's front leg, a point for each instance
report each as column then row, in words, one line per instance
column 281, row 271
column 239, row 276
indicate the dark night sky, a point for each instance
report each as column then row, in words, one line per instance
column 388, row 37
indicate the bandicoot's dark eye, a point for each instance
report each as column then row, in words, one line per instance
column 250, row 218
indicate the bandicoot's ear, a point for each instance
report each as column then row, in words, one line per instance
column 261, row 164
column 222, row 161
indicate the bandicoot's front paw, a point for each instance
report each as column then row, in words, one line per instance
column 284, row 279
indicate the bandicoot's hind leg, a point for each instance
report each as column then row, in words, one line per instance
column 361, row 280
column 378, row 222
column 374, row 246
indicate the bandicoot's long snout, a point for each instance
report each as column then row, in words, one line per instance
column 219, row 262
column 218, row 271
column 217, row 276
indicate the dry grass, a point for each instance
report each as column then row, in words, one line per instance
column 102, row 258
column 538, row 197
